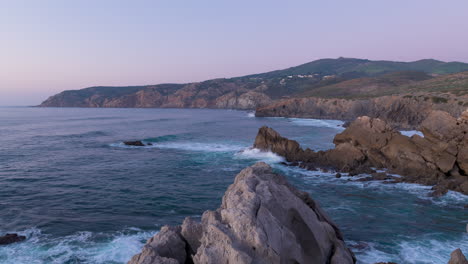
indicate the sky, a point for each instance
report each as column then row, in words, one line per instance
column 49, row 46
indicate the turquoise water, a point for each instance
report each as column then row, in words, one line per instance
column 81, row 196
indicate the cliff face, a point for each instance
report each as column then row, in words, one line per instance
column 440, row 158
column 262, row 219
column 401, row 111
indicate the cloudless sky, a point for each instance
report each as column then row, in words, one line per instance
column 48, row 46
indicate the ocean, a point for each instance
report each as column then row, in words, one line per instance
column 80, row 195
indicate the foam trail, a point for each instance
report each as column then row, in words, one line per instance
column 454, row 199
column 251, row 114
column 430, row 249
column 410, row 133
column 336, row 124
column 203, row 147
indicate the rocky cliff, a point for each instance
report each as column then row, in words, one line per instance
column 262, row 219
column 400, row 111
column 440, row 158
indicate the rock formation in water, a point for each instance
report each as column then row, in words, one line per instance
column 11, row 238
column 262, row 219
column 399, row 111
column 440, row 158
column 457, row 257
column 137, row 143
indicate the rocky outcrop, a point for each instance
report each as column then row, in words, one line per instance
column 137, row 143
column 399, row 111
column 437, row 159
column 457, row 257
column 11, row 238
column 262, row 219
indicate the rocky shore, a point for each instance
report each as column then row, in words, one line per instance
column 262, row 219
column 399, row 111
column 440, row 158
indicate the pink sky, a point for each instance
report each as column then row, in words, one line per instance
column 50, row 46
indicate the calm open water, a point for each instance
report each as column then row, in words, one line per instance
column 68, row 183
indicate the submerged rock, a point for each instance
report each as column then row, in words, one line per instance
column 137, row 143
column 440, row 158
column 11, row 238
column 262, row 219
column 457, row 257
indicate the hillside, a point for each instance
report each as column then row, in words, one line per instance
column 342, row 77
column 369, row 86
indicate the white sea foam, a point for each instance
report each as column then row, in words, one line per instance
column 251, row 114
column 423, row 250
column 190, row 146
column 79, row 247
column 410, row 133
column 370, row 254
column 421, row 191
column 337, row 124
column 257, row 154
column 203, row 147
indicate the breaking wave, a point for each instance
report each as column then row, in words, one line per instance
column 430, row 249
column 81, row 247
column 257, row 154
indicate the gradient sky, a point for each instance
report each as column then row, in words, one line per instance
column 49, row 46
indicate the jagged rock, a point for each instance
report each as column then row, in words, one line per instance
column 440, row 158
column 192, row 232
column 11, row 238
column 262, row 219
column 137, row 143
column 270, row 140
column 166, row 247
column 457, row 257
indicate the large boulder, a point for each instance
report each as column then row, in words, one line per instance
column 262, row 219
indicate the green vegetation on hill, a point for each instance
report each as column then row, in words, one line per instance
column 368, row 86
column 365, row 68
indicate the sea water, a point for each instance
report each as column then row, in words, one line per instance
column 80, row 195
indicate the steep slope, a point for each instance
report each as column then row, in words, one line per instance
column 369, row 86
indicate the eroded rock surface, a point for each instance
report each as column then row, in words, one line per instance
column 262, row 219
column 439, row 158
column 457, row 257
